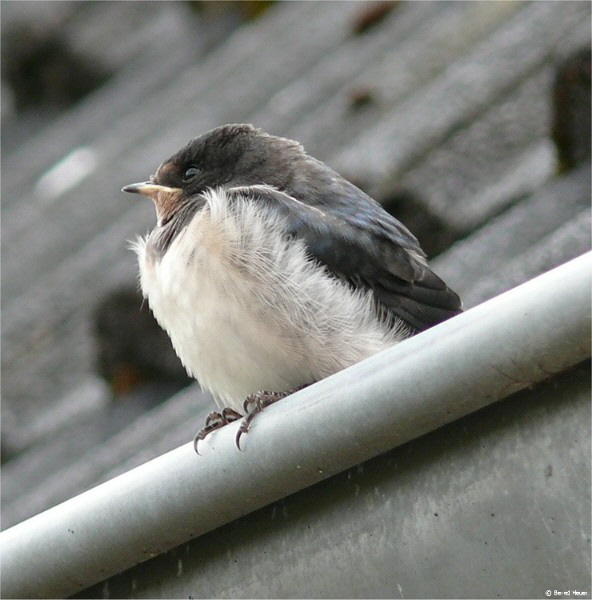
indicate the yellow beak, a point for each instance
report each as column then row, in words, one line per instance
column 147, row 188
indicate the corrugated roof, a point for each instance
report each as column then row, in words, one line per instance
column 457, row 110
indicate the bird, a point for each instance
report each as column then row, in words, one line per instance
column 270, row 271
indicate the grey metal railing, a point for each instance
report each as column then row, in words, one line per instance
column 506, row 344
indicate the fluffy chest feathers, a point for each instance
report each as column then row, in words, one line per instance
column 247, row 309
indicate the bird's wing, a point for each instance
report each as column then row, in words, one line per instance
column 373, row 251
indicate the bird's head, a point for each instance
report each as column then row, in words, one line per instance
column 228, row 156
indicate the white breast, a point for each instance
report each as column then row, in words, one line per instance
column 248, row 310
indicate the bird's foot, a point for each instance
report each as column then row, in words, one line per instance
column 214, row 421
column 254, row 404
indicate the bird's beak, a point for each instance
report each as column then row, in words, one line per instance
column 147, row 188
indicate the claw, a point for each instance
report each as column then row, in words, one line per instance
column 246, row 424
column 254, row 404
column 214, row 421
column 196, row 439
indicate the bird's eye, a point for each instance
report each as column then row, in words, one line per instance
column 191, row 173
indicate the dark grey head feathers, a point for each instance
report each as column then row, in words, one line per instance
column 232, row 156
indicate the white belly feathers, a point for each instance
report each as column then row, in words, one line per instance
column 248, row 310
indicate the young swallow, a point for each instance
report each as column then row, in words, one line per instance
column 270, row 271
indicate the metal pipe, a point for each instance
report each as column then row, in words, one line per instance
column 521, row 337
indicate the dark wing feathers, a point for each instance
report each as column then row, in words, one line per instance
column 368, row 248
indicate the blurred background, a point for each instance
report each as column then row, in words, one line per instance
column 469, row 121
